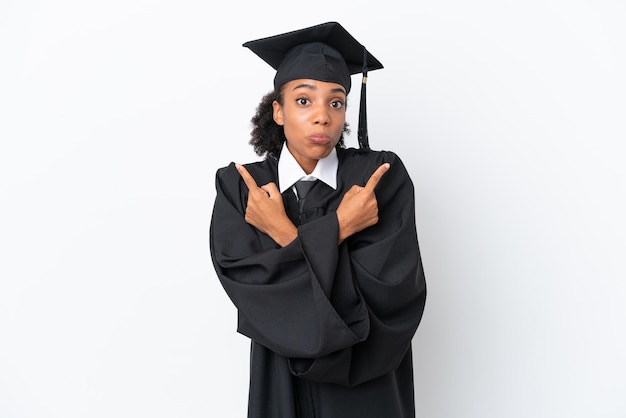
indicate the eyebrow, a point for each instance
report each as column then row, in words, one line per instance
column 312, row 87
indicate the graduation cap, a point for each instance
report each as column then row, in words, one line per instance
column 325, row 52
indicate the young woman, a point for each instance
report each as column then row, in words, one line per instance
column 328, row 282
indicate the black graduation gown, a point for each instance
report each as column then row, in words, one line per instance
column 330, row 325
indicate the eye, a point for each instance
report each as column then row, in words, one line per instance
column 302, row 101
column 337, row 104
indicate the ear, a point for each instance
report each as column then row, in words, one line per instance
column 278, row 113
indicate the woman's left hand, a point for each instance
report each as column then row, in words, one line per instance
column 266, row 211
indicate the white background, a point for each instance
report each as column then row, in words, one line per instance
column 114, row 116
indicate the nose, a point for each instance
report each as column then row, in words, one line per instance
column 321, row 115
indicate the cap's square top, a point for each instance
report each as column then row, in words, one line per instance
column 325, row 52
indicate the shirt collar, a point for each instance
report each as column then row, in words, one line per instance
column 289, row 171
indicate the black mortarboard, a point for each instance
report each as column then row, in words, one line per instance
column 325, row 52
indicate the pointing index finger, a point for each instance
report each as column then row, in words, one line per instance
column 247, row 178
column 376, row 176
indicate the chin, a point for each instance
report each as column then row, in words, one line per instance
column 321, row 153
column 322, row 149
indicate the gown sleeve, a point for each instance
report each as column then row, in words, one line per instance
column 342, row 314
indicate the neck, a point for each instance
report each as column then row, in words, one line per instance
column 306, row 164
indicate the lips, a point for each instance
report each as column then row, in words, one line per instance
column 319, row 139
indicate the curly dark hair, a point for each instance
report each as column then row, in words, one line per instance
column 267, row 135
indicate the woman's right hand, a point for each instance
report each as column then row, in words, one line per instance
column 266, row 211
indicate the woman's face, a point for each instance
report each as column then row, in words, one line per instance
column 313, row 115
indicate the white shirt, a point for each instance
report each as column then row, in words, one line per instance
column 289, row 171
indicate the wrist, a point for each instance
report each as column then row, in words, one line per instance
column 342, row 228
column 284, row 234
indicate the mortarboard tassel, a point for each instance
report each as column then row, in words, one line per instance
column 362, row 130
